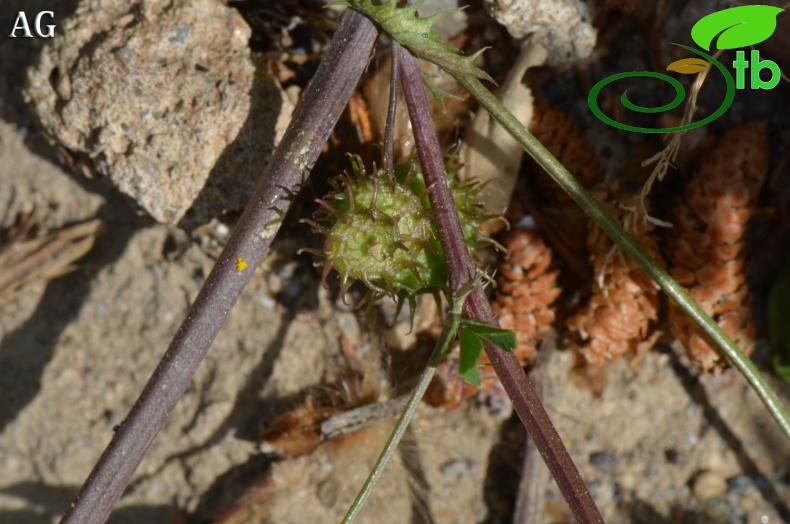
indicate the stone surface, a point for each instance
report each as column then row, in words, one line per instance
column 163, row 99
column 563, row 27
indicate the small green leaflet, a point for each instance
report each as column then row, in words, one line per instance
column 439, row 94
column 473, row 333
column 414, row 32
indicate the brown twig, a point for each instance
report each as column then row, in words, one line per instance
column 534, row 475
column 461, row 270
column 323, row 101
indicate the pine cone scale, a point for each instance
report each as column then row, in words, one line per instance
column 526, row 291
column 710, row 225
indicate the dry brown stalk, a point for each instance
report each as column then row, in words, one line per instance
column 707, row 244
column 26, row 260
column 667, row 157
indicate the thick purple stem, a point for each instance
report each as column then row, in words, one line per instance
column 461, row 271
column 323, row 101
column 459, row 261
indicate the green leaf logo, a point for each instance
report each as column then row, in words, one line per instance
column 739, row 27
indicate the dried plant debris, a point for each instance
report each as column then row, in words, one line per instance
column 447, row 390
column 25, row 259
column 348, row 440
column 329, row 434
column 448, row 115
column 621, row 313
column 489, row 155
column 527, row 288
column 560, row 219
column 706, row 247
column 624, row 6
column 352, row 408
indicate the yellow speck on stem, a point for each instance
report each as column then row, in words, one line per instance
column 241, row 264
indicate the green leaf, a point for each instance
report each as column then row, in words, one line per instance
column 779, row 324
column 414, row 32
column 504, row 339
column 739, row 26
column 471, row 351
column 439, row 94
column 470, row 322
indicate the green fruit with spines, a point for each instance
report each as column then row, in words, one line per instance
column 379, row 229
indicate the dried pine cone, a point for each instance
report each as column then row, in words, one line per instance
column 565, row 139
column 526, row 291
column 706, row 247
column 559, row 216
column 617, row 319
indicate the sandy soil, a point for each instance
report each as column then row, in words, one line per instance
column 659, row 446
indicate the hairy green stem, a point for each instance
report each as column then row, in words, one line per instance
column 630, row 247
column 439, row 351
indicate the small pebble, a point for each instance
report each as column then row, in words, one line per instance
column 457, row 469
column 603, row 461
column 327, row 492
column 708, row 484
column 673, row 456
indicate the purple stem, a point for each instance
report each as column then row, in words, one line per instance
column 461, row 271
column 324, row 99
column 389, row 129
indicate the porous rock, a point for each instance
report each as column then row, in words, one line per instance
column 563, row 27
column 162, row 98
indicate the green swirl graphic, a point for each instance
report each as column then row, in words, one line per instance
column 680, row 95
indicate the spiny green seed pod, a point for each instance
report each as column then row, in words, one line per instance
column 379, row 229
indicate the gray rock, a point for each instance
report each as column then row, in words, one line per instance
column 563, row 27
column 162, row 98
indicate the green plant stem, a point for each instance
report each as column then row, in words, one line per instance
column 439, row 351
column 630, row 247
